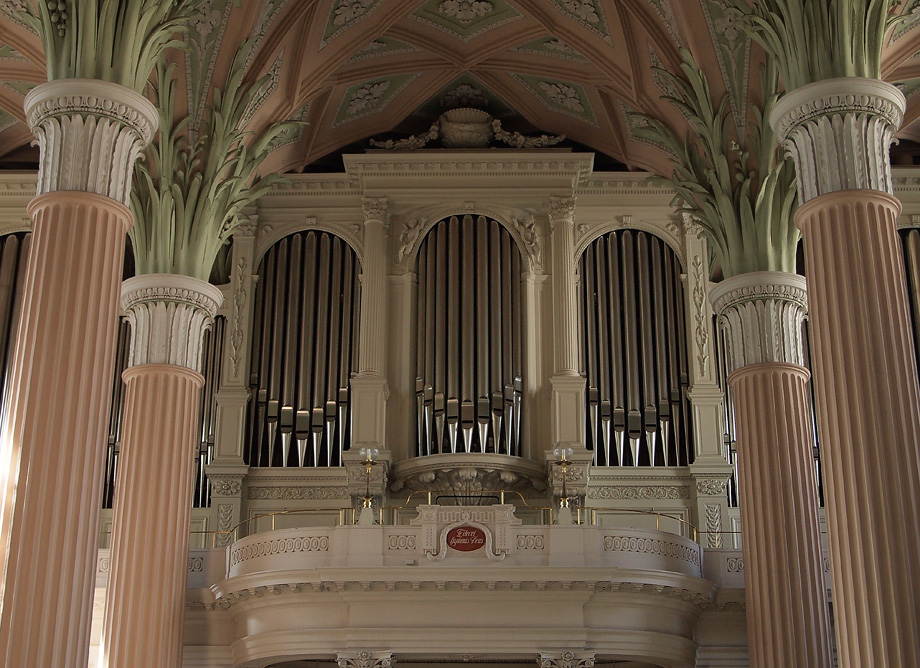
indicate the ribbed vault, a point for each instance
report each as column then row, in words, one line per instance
column 355, row 69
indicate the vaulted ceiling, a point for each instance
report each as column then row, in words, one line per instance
column 354, row 69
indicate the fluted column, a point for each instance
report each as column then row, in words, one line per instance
column 369, row 389
column 51, row 454
column 787, row 615
column 145, row 605
column 568, row 398
column 838, row 132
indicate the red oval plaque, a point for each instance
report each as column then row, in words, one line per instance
column 466, row 538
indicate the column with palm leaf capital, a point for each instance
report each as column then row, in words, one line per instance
column 91, row 122
column 837, row 122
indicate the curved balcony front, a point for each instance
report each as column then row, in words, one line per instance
column 422, row 591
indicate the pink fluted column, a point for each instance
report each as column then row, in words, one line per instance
column 51, row 452
column 787, row 612
column 838, row 132
column 869, row 419
column 145, row 603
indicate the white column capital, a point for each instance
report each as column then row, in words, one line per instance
column 365, row 659
column 838, row 132
column 376, row 209
column 762, row 312
column 168, row 315
column 566, row 660
column 89, row 133
column 562, row 211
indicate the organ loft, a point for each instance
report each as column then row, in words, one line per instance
column 365, row 333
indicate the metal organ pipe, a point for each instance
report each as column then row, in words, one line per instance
column 307, row 306
column 468, row 369
column 635, row 359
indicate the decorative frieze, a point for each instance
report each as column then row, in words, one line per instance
column 280, row 546
column 838, row 132
column 297, row 493
column 625, row 543
column 640, row 492
column 566, row 660
column 168, row 315
column 710, row 487
column 365, row 659
column 762, row 312
column 224, row 486
column 89, row 133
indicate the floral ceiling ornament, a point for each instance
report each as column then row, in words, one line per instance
column 557, row 44
column 562, row 94
column 583, row 9
column 466, row 11
column 347, row 11
column 367, row 97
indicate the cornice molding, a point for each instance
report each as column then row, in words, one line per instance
column 567, row 169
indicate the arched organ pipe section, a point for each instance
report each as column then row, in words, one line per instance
column 305, row 341
column 469, row 357
column 635, row 356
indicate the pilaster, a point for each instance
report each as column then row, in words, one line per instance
column 89, row 134
column 565, row 299
column 710, row 467
column 372, row 336
column 363, row 481
column 537, row 424
column 838, row 133
column 227, row 469
column 577, row 473
column 369, row 389
column 402, row 436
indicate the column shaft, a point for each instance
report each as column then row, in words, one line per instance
column 168, row 315
column 565, row 297
column 52, row 449
column 787, row 613
column 869, row 419
column 53, row 439
column 786, row 609
column 153, row 500
column 372, row 333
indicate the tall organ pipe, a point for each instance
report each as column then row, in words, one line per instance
column 470, row 351
column 635, row 359
column 307, row 302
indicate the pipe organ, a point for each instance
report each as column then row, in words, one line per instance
column 305, row 340
column 634, row 352
column 469, row 332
